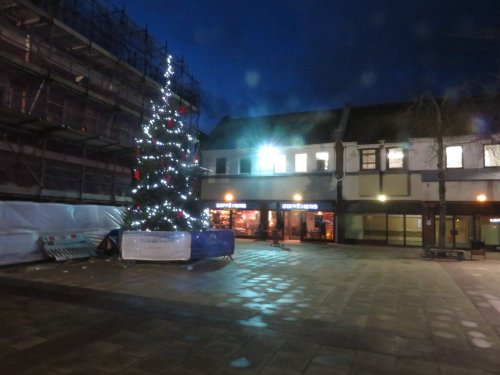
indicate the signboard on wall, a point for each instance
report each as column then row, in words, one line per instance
column 305, row 206
column 230, row 206
column 251, row 205
column 299, row 206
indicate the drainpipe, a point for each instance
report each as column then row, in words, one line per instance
column 339, row 169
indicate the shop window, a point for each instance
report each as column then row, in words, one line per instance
column 374, row 227
column 489, row 228
column 454, row 157
column 300, row 162
column 317, row 225
column 368, row 159
column 220, row 219
column 322, row 161
column 220, row 165
column 395, row 158
column 492, row 155
column 245, row 165
column 366, row 227
column 396, row 230
column 246, row 223
column 280, row 163
column 413, row 230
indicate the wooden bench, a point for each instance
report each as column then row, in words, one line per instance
column 443, row 253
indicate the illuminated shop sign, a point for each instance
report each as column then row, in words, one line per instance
column 494, row 220
column 299, row 206
column 231, row 205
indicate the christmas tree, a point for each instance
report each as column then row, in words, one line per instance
column 166, row 167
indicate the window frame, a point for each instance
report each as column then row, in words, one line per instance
column 484, row 155
column 461, row 157
column 361, row 154
column 246, row 159
column 218, row 169
column 277, row 160
column 295, row 162
column 325, row 164
column 405, row 157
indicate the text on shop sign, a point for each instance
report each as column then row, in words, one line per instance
column 299, row 206
column 230, row 205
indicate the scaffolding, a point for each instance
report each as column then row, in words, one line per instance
column 76, row 82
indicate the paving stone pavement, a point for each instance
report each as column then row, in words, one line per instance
column 316, row 309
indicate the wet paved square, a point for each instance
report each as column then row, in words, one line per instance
column 317, row 309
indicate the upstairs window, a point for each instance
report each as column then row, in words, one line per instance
column 454, row 157
column 368, row 159
column 395, row 158
column 280, row 163
column 492, row 155
column 322, row 161
column 300, row 163
column 245, row 165
column 220, row 166
column 267, row 154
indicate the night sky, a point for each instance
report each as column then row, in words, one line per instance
column 259, row 57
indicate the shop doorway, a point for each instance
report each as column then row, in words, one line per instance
column 458, row 233
column 308, row 225
column 292, row 225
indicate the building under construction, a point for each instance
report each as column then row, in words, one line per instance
column 76, row 83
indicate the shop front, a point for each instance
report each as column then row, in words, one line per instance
column 243, row 217
column 418, row 225
column 310, row 221
column 461, row 230
column 313, row 221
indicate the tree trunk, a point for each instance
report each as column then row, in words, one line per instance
column 441, row 178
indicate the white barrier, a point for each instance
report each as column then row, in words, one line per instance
column 23, row 223
column 137, row 245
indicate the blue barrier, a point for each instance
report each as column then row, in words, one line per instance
column 212, row 243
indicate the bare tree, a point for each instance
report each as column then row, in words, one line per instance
column 437, row 118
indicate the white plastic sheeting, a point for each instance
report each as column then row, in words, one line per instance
column 157, row 245
column 22, row 224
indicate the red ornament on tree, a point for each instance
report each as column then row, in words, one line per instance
column 180, row 214
column 170, row 123
column 136, row 174
column 182, row 110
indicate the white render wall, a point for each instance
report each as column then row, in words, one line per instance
column 422, row 158
column 311, row 187
column 233, row 158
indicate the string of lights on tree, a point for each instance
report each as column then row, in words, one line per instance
column 166, row 165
